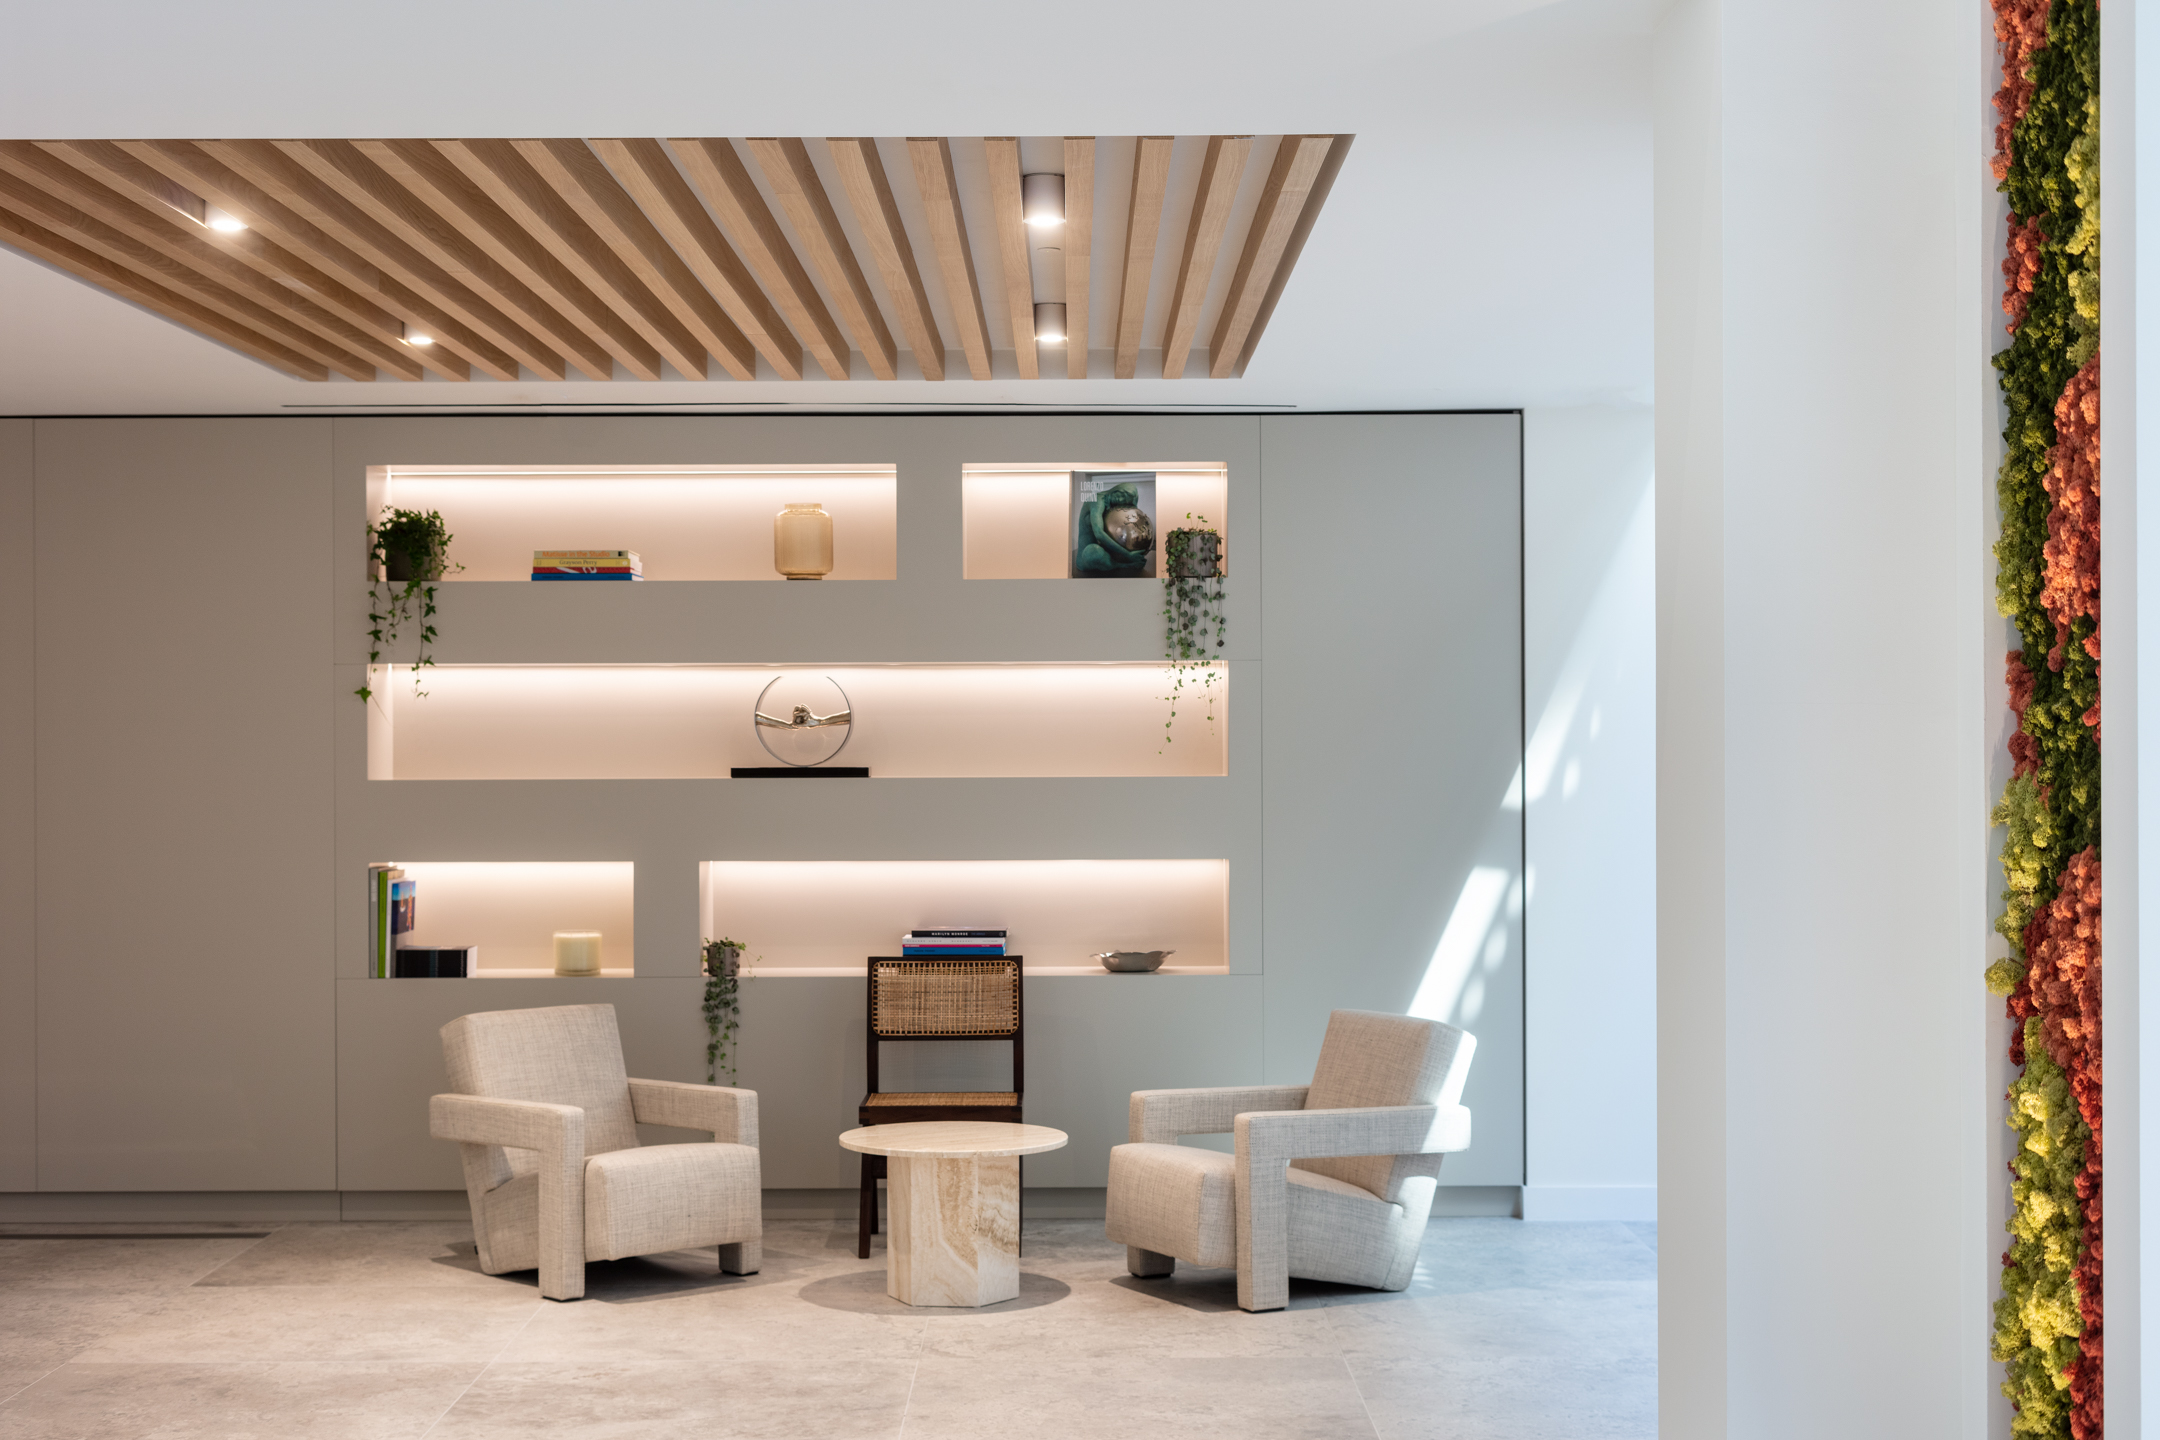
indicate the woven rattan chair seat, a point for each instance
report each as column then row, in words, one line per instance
column 941, row 1097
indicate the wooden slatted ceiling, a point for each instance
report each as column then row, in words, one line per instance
column 651, row 258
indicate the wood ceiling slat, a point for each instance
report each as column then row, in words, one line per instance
column 931, row 156
column 1309, row 216
column 338, row 172
column 720, row 176
column 282, row 178
column 862, row 175
column 1282, row 202
column 1220, row 173
column 457, row 346
column 1079, row 249
column 794, row 180
column 34, row 239
column 25, row 192
column 110, row 184
column 582, row 180
column 1003, row 152
column 653, row 183
column 542, row 213
column 410, row 184
column 1143, row 222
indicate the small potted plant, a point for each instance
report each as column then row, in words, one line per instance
column 408, row 551
column 720, row 961
column 1193, row 632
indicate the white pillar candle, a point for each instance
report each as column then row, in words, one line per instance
column 577, row 952
column 802, row 541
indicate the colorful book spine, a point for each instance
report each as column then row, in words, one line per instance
column 383, row 895
column 953, row 942
column 585, row 575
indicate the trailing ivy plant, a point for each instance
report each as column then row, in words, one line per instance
column 721, row 963
column 1193, row 628
column 417, row 543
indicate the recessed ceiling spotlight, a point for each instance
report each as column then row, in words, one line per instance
column 1042, row 199
column 1050, row 323
column 417, row 337
column 217, row 219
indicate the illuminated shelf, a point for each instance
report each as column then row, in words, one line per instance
column 686, row 523
column 660, row 722
column 813, row 918
column 512, row 909
column 1018, row 518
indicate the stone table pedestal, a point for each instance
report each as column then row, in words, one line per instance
column 954, row 1204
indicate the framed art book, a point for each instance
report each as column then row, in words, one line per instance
column 1113, row 525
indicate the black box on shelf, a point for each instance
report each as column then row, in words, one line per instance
column 457, row 962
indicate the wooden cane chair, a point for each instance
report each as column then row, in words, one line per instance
column 933, row 998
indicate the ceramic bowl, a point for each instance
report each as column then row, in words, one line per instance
column 1133, row 962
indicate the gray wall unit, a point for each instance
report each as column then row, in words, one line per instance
column 1392, row 588
column 203, row 1018
column 18, row 810
column 184, row 1003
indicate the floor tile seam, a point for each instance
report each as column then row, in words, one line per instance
column 1358, row 1390
column 270, row 1231
column 487, row 1365
column 24, row 1389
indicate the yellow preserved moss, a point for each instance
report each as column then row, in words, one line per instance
column 2036, row 1319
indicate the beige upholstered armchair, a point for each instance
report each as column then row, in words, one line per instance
column 548, row 1121
column 1331, row 1181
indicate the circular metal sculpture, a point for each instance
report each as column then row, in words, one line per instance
column 803, row 720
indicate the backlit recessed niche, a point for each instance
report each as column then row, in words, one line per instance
column 512, row 909
column 1017, row 519
column 631, row 722
column 686, row 523
column 827, row 917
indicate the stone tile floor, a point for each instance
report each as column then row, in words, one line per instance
column 387, row 1331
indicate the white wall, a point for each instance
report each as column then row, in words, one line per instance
column 1822, row 780
column 1590, row 796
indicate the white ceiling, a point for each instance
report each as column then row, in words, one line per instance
column 1487, row 244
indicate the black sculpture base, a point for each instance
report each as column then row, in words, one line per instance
column 788, row 772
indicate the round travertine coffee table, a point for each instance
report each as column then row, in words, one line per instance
column 953, row 1197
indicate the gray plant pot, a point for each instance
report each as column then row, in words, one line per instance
column 398, row 567
column 1202, row 559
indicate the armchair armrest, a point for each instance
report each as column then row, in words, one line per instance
column 1375, row 1130
column 514, row 1124
column 558, row 1133
column 1160, row 1116
column 729, row 1114
column 1267, row 1143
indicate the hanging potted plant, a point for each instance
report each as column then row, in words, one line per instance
column 408, row 551
column 720, row 961
column 1194, row 629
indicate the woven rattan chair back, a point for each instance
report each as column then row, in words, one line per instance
column 944, row 999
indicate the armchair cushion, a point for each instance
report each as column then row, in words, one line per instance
column 1370, row 1059
column 670, row 1197
column 1173, row 1200
column 1180, row 1201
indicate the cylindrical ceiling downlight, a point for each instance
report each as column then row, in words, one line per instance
column 1050, row 323
column 1042, row 199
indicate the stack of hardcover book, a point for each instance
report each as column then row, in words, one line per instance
column 587, row 565
column 953, row 942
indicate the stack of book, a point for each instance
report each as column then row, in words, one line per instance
column 393, row 901
column 953, row 942
column 587, row 565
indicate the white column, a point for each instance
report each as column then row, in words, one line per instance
column 1822, row 651
column 2129, row 792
